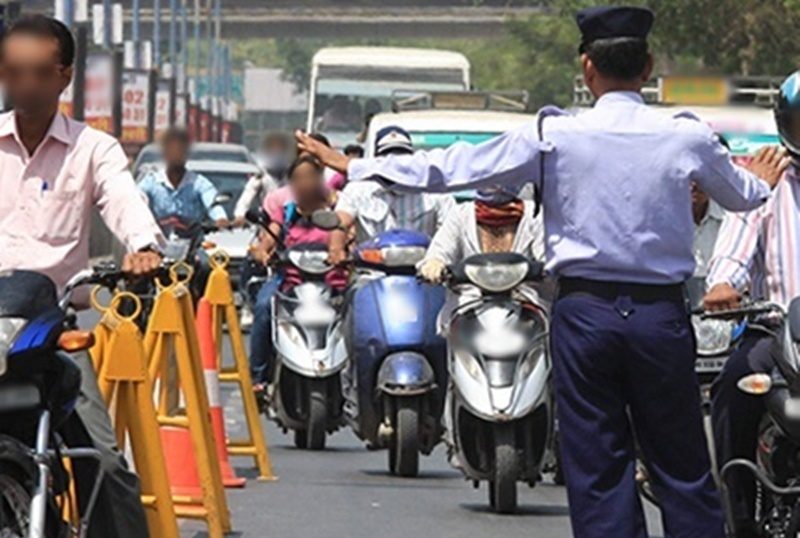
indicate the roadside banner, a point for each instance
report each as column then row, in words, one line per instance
column 99, row 92
column 182, row 110
column 205, row 125
column 65, row 102
column 135, row 106
column 163, row 118
column 193, row 122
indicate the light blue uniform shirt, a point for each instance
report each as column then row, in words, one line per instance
column 193, row 199
column 615, row 191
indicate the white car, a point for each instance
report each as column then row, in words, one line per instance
column 150, row 155
column 229, row 178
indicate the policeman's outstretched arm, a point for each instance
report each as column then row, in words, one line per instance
column 512, row 157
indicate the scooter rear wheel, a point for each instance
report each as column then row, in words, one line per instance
column 503, row 489
column 404, row 449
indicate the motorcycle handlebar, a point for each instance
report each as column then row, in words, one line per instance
column 747, row 310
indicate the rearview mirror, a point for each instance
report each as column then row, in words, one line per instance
column 222, row 198
column 259, row 217
column 325, row 219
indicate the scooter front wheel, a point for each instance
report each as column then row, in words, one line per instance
column 404, row 448
column 503, row 488
column 317, row 420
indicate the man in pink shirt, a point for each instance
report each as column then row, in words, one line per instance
column 53, row 172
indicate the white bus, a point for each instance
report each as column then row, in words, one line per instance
column 349, row 85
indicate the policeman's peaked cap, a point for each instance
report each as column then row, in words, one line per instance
column 606, row 22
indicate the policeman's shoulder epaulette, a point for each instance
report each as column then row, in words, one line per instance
column 686, row 115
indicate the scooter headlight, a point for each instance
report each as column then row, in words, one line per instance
column 497, row 278
column 9, row 329
column 314, row 262
column 713, row 335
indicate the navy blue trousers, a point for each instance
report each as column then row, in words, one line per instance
column 615, row 359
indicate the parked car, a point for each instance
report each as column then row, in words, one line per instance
column 150, row 155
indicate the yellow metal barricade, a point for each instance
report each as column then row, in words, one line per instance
column 122, row 377
column 170, row 334
column 220, row 295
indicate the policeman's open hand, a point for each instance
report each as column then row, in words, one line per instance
column 769, row 164
column 722, row 297
column 327, row 156
column 140, row 264
column 432, row 270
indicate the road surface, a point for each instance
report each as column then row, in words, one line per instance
column 346, row 492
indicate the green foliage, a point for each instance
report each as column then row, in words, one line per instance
column 749, row 37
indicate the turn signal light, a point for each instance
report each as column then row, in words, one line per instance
column 71, row 341
column 374, row 256
column 755, row 384
column 208, row 245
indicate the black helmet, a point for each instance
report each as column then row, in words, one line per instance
column 787, row 114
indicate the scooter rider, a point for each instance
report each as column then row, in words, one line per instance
column 373, row 207
column 757, row 253
column 53, row 172
column 290, row 220
column 620, row 337
column 175, row 190
column 496, row 221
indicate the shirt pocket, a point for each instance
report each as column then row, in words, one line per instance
column 58, row 216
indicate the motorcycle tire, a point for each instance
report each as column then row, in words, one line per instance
column 17, row 477
column 404, row 449
column 300, row 439
column 503, row 487
column 317, row 421
column 793, row 529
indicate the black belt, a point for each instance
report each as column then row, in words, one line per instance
column 643, row 293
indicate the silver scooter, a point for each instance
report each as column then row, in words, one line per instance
column 499, row 407
column 306, row 391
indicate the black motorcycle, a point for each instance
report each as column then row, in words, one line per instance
column 777, row 467
column 39, row 385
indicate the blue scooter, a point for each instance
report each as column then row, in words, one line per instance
column 395, row 383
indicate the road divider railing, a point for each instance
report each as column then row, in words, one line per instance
column 121, row 364
column 219, row 296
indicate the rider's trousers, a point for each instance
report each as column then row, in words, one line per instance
column 616, row 358
column 118, row 512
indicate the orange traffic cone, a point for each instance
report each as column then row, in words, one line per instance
column 184, row 479
column 209, row 354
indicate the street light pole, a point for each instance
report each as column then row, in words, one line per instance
column 136, row 33
column 107, row 24
column 173, row 33
column 157, row 33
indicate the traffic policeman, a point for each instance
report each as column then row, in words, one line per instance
column 614, row 184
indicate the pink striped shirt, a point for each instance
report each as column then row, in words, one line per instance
column 758, row 251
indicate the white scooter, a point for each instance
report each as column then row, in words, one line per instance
column 499, row 405
column 306, row 391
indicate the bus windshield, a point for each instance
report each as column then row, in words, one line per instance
column 345, row 98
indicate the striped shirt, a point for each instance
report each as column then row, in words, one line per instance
column 378, row 209
column 758, row 251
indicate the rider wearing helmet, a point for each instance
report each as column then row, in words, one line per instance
column 757, row 254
